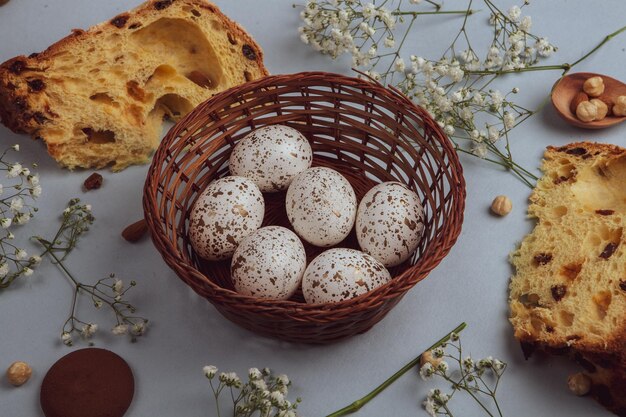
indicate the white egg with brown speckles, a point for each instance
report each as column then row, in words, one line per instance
column 340, row 274
column 390, row 223
column 271, row 156
column 321, row 206
column 227, row 211
column 269, row 264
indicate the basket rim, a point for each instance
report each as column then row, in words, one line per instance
column 409, row 277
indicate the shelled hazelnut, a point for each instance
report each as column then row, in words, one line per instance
column 594, row 86
column 601, row 108
column 18, row 373
column 586, row 111
column 579, row 384
column 501, row 205
column 619, row 109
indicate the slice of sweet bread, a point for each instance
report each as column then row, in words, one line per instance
column 568, row 294
column 98, row 97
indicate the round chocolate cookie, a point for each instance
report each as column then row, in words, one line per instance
column 88, row 383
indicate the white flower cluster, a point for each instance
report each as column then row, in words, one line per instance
column 21, row 188
column 263, row 392
column 435, row 401
column 469, row 376
column 345, row 26
column 455, row 89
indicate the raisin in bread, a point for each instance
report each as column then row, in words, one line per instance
column 569, row 291
column 98, row 97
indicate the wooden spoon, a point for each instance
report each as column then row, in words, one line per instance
column 567, row 87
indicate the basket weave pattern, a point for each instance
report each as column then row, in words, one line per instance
column 368, row 133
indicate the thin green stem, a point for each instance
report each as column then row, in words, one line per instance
column 415, row 14
column 598, row 46
column 358, row 404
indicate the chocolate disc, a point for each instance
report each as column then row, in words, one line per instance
column 88, row 383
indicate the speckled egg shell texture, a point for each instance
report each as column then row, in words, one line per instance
column 228, row 210
column 390, row 223
column 321, row 206
column 271, row 156
column 269, row 264
column 340, row 274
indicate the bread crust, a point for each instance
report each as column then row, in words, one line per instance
column 602, row 357
column 18, row 107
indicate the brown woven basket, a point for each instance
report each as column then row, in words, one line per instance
column 367, row 132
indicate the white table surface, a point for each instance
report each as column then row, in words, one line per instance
column 187, row 332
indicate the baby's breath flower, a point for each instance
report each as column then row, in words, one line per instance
column 118, row 286
column 514, row 13
column 21, row 254
column 66, row 338
column 209, row 371
column 6, row 222
column 22, row 218
column 16, row 204
column 120, row 329
column 277, row 397
column 430, row 407
column 426, row 371
column 438, row 352
column 399, row 65
column 443, row 367
column 4, row 269
column 254, row 374
column 14, row 170
column 27, row 271
column 89, row 330
column 138, row 329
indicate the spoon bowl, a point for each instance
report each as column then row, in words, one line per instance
column 567, row 87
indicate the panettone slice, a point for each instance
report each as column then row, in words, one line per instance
column 98, row 97
column 568, row 294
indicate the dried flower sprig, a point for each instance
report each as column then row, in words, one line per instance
column 75, row 221
column 264, row 393
column 358, row 404
column 479, row 379
column 455, row 88
column 15, row 209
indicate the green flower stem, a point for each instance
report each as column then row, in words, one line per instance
column 358, row 404
column 415, row 14
column 598, row 46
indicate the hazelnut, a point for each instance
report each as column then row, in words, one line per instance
column 18, row 373
column 501, row 205
column 427, row 357
column 594, row 86
column 579, row 384
column 578, row 98
column 609, row 103
column 586, row 111
column 619, row 109
column 601, row 107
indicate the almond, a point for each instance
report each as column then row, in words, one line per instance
column 578, row 98
column 135, row 231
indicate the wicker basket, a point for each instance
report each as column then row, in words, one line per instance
column 367, row 132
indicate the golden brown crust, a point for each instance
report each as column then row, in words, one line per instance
column 26, row 111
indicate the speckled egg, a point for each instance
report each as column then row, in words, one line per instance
column 228, row 210
column 390, row 223
column 271, row 156
column 340, row 274
column 269, row 264
column 321, row 206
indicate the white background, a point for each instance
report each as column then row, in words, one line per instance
column 187, row 332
